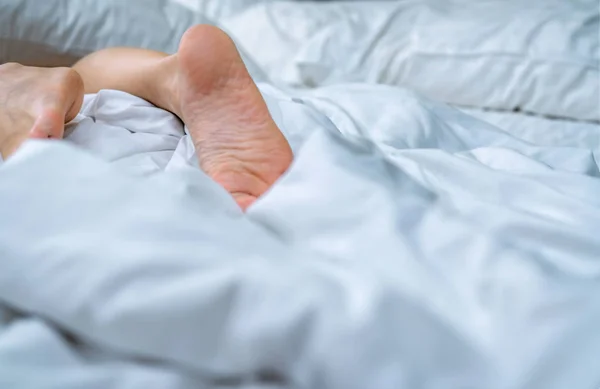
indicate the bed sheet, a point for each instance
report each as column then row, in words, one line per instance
column 409, row 245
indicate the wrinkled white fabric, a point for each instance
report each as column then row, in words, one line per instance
column 543, row 131
column 217, row 9
column 409, row 245
column 539, row 56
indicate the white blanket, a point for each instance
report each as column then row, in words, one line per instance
column 408, row 246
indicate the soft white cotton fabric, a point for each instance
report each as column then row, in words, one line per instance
column 543, row 131
column 409, row 245
column 539, row 56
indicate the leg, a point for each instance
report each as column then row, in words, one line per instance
column 208, row 86
column 36, row 103
column 148, row 74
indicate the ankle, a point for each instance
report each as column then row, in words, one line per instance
column 165, row 91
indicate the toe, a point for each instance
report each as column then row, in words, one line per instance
column 244, row 200
column 49, row 124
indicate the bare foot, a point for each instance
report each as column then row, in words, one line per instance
column 237, row 142
column 36, row 103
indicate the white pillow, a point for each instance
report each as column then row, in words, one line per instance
column 59, row 32
column 540, row 56
column 217, row 9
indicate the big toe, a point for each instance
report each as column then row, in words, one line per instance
column 244, row 200
column 49, row 124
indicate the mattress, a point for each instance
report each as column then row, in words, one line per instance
column 414, row 242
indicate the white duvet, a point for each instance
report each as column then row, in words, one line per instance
column 408, row 246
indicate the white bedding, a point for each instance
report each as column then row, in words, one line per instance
column 539, row 56
column 543, row 131
column 409, row 245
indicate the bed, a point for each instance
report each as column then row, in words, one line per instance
column 438, row 228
